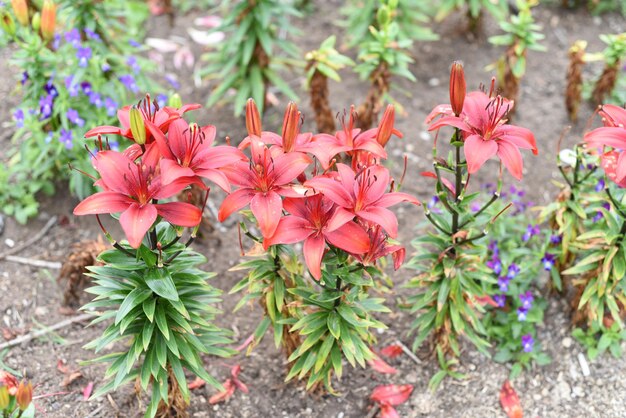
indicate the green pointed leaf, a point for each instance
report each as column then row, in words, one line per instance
column 161, row 283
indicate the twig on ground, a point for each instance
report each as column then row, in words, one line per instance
column 408, row 352
column 33, row 262
column 39, row 333
column 373, row 411
column 32, row 240
column 95, row 412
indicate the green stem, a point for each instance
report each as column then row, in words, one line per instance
column 338, row 289
column 495, row 197
column 458, row 173
column 435, row 223
column 615, row 204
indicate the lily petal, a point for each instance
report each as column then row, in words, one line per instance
column 477, row 151
column 381, row 216
column 313, row 249
column 180, row 213
column 103, row 202
column 233, row 202
column 350, row 237
column 136, row 221
column 267, row 209
column 511, row 158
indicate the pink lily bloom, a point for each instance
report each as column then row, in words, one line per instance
column 130, row 188
column 150, row 112
column 262, row 181
column 362, row 195
column 612, row 134
column 379, row 247
column 188, row 152
column 485, row 132
column 315, row 220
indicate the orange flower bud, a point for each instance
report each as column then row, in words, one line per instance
column 385, row 127
column 48, row 19
column 291, row 126
column 20, row 8
column 24, row 395
column 457, row 87
column 253, row 118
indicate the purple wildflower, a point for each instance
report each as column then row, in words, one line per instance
column 555, row 239
column 51, row 89
column 49, row 137
column 600, row 185
column 132, row 63
column 56, row 41
column 171, row 78
column 74, row 117
column 548, row 261
column 134, row 43
column 512, row 271
column 161, row 100
column 83, row 54
column 45, row 106
column 522, row 314
column 500, row 300
column 129, row 82
column 71, row 87
column 114, row 145
column 66, row 138
column 18, row 116
column 475, row 206
column 73, row 37
column 493, row 247
column 527, row 343
column 527, row 299
column 24, row 78
column 503, row 283
column 86, row 86
column 531, row 231
column 92, row 35
column 111, row 106
column 105, row 67
column 95, row 99
column 599, row 215
column 495, row 264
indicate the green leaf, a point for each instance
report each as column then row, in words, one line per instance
column 322, row 353
column 161, row 321
column 133, row 299
column 148, row 308
column 161, row 283
column 147, row 255
column 333, row 323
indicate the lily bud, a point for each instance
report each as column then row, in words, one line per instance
column 48, row 19
column 137, row 126
column 253, row 118
column 36, row 21
column 457, row 87
column 7, row 24
column 24, row 395
column 385, row 128
column 384, row 16
column 291, row 127
column 4, row 398
column 20, row 8
column 175, row 101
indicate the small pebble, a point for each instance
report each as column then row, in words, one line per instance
column 424, row 136
column 9, row 243
column 433, row 82
column 567, row 342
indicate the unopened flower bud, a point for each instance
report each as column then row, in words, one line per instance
column 175, row 101
column 7, row 24
column 137, row 126
column 4, row 398
column 48, row 19
column 393, row 4
column 384, row 16
column 457, row 87
column 24, row 395
column 20, row 8
column 291, row 126
column 385, row 128
column 253, row 118
column 36, row 22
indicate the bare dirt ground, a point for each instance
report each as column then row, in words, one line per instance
column 31, row 297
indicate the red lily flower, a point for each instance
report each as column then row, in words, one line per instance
column 613, row 134
column 130, row 188
column 315, row 220
column 362, row 194
column 262, row 181
column 382, row 134
column 351, row 140
column 379, row 247
column 150, row 112
column 485, row 133
column 188, row 152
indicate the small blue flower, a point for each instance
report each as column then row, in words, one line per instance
column 56, row 41
column 129, row 82
column 527, row 343
column 475, row 206
column 495, row 264
column 531, row 231
column 555, row 239
column 86, row 86
column 600, row 185
column 134, row 43
column 493, row 247
column 500, row 300
column 71, row 87
column 66, row 138
column 548, row 261
column 161, row 100
column 527, row 299
column 18, row 116
column 51, row 89
column 73, row 37
column 114, row 145
column 24, row 78
column 49, row 137
column 92, row 35
column 132, row 63
column 83, row 54
column 171, row 78
column 74, row 117
column 111, row 106
column 105, row 67
column 45, row 106
column 513, row 271
column 522, row 314
column 503, row 283
column 95, row 99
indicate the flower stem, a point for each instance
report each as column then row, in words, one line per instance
column 458, row 173
column 435, row 223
